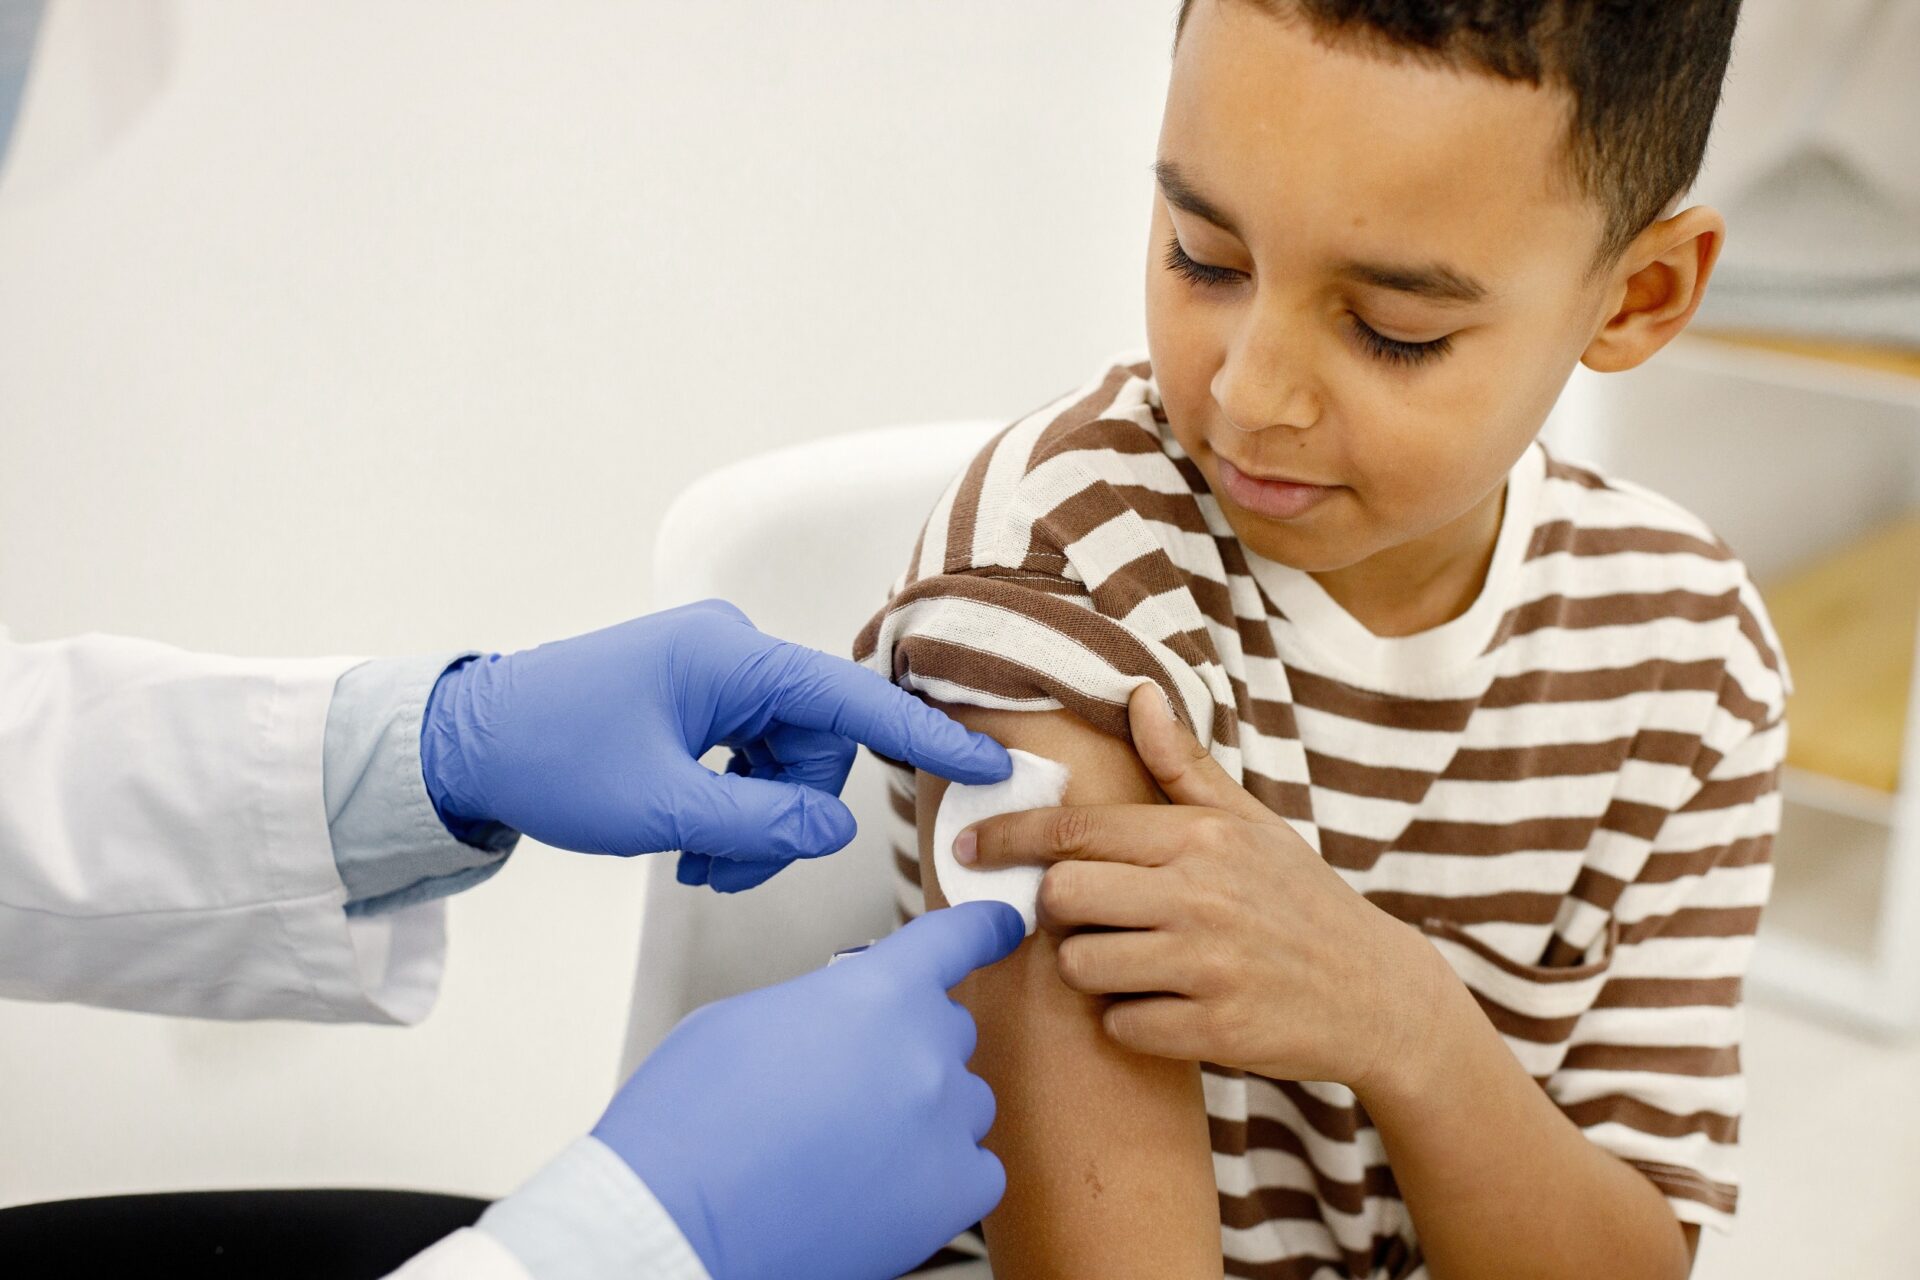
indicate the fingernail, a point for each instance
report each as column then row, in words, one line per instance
column 966, row 848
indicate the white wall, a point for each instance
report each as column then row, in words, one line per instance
column 386, row 328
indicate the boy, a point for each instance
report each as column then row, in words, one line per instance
column 1473, row 752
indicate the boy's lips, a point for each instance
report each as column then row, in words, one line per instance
column 1277, row 499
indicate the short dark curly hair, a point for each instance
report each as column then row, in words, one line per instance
column 1645, row 77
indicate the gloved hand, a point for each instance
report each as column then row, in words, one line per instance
column 593, row 743
column 828, row 1126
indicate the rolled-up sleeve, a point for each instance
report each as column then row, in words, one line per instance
column 389, row 844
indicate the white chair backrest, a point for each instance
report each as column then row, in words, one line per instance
column 806, row 541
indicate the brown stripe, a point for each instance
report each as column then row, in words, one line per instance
column 1520, row 1026
column 868, row 640
column 907, row 867
column 1083, row 425
column 965, row 512
column 1627, row 608
column 1178, row 510
column 1230, row 1139
column 1597, row 888
column 1376, row 782
column 1686, row 1184
column 1696, row 922
column 1662, row 868
column 1732, row 793
column 1750, row 629
column 1668, row 993
column 1510, row 907
column 1563, row 535
column 1000, row 677
column 1290, row 800
column 1337, row 698
column 1570, row 759
column 1151, row 574
column 1603, row 685
column 1558, row 470
column 1528, row 835
column 1074, row 517
column 1620, row 1108
column 1302, row 1267
column 1673, row 1060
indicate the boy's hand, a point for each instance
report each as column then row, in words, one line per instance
column 1236, row 944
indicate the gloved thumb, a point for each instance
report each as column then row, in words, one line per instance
column 727, row 815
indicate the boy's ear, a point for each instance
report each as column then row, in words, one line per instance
column 1656, row 287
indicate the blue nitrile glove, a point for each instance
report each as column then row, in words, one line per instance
column 828, row 1126
column 594, row 743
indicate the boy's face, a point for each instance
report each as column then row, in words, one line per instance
column 1367, row 275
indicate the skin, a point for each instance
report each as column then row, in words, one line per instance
column 1109, row 1170
column 1321, row 186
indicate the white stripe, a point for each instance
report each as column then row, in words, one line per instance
column 1679, row 1095
column 1660, row 957
column 1709, row 1026
column 1722, row 887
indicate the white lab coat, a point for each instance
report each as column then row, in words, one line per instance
column 164, row 847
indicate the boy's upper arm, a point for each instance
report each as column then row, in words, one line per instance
column 1109, row 1163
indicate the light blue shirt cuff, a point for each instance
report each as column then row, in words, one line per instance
column 588, row 1216
column 390, row 845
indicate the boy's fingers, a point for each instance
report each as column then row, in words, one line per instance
column 1146, row 835
column 1182, row 767
column 1122, row 963
column 1076, row 895
column 1165, row 1026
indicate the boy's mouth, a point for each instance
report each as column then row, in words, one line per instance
column 1276, row 497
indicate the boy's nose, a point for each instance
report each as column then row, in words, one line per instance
column 1258, row 386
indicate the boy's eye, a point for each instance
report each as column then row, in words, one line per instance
column 1200, row 273
column 1377, row 344
column 1393, row 350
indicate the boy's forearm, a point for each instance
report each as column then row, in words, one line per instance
column 1498, row 1181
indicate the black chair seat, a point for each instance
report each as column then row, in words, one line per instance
column 274, row 1235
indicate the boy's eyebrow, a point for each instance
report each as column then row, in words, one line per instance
column 1435, row 281
column 1182, row 194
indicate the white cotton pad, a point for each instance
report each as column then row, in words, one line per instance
column 1037, row 783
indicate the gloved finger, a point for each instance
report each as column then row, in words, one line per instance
column 965, row 1035
column 945, row 946
column 820, row 691
column 693, row 868
column 983, row 1182
column 811, row 757
column 729, row 876
column 974, row 1103
column 753, row 819
column 719, row 608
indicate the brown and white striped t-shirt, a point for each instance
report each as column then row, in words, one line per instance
column 1571, row 788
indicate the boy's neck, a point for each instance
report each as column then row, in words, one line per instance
column 1422, row 584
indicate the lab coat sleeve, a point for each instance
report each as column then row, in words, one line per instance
column 468, row 1255
column 164, row 842
column 390, row 846
column 585, row 1216
column 588, row 1216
